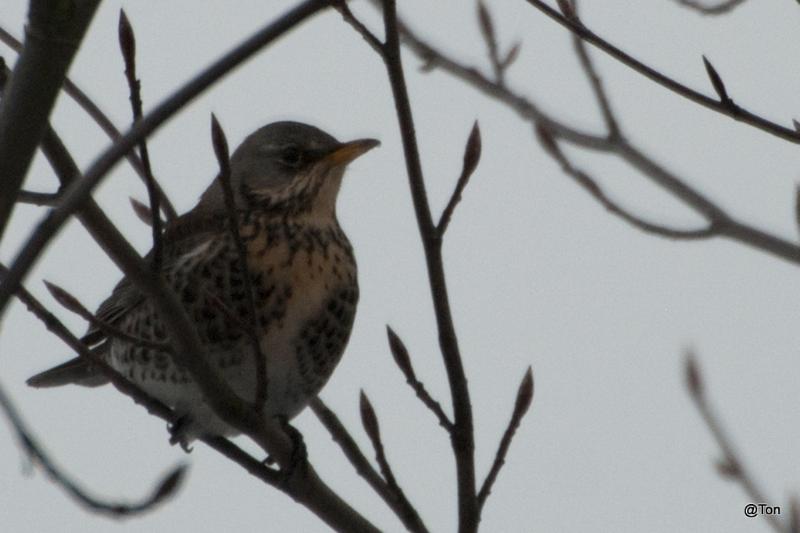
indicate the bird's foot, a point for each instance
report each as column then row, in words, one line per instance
column 179, row 432
column 299, row 456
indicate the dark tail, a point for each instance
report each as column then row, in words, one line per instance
column 75, row 371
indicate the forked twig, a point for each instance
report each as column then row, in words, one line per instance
column 403, row 361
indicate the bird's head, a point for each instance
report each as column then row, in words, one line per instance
column 288, row 168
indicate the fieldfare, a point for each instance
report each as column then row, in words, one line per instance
column 285, row 179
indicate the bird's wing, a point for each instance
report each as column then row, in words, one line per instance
column 187, row 229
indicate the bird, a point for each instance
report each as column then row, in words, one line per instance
column 285, row 179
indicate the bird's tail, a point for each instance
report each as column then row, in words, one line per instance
column 75, row 371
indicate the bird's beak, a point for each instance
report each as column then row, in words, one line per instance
column 346, row 152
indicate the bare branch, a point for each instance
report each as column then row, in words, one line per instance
column 591, row 186
column 370, row 422
column 733, row 467
column 260, row 361
column 160, row 492
column 38, row 198
column 53, row 34
column 402, row 508
column 490, row 38
column 724, row 224
column 726, row 6
column 521, row 406
column 401, row 357
column 462, row 437
column 731, row 110
column 371, row 39
column 127, row 44
column 595, row 81
column 472, row 155
column 717, row 83
column 101, row 119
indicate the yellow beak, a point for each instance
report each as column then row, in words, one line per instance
column 346, row 152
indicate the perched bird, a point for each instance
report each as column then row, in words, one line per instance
column 285, row 179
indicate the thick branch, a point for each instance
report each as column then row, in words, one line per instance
column 54, row 33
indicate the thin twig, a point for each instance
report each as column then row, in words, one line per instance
column 486, row 25
column 372, row 40
column 596, row 82
column 401, row 508
column 731, row 465
column 161, row 490
column 38, row 198
column 127, row 44
column 591, row 186
column 521, row 406
column 472, row 155
column 721, row 8
column 403, row 360
column 101, row 119
column 259, row 358
column 733, row 111
column 369, row 420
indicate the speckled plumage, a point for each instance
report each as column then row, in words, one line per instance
column 302, row 273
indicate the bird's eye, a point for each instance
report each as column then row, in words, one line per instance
column 291, row 156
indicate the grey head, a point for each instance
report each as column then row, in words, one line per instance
column 287, row 167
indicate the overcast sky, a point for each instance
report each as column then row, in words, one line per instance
column 539, row 274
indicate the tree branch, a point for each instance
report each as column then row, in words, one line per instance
column 730, row 465
column 521, row 406
column 726, row 108
column 161, row 490
column 370, row 422
column 407, row 514
column 53, row 35
column 724, row 224
column 462, row 437
column 726, row 6
column 403, row 361
column 102, row 120
column 127, row 44
column 472, row 154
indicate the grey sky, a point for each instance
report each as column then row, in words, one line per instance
column 539, row 273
